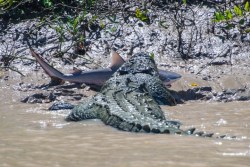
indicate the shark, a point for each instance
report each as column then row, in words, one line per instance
column 95, row 79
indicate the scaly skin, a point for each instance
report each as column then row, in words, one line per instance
column 128, row 100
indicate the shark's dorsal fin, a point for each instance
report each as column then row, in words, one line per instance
column 117, row 61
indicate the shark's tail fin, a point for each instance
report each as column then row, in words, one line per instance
column 55, row 75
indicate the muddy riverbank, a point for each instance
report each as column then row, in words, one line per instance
column 213, row 94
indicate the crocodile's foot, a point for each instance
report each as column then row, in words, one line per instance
column 83, row 111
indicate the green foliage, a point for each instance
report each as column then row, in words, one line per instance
column 60, row 30
column 247, row 7
column 47, row 3
column 238, row 11
column 142, row 15
column 5, row 4
column 90, row 3
column 152, row 56
column 234, row 17
column 72, row 24
column 219, row 16
column 102, row 25
column 228, row 15
column 23, row 9
column 113, row 29
column 247, row 30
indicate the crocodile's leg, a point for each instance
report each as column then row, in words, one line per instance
column 154, row 86
column 148, row 107
column 83, row 111
column 159, row 92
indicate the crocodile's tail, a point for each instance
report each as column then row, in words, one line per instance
column 55, row 75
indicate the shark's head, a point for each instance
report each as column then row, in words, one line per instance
column 168, row 77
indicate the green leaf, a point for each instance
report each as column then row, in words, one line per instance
column 184, row 2
column 6, row 3
column 113, row 29
column 94, row 18
column 152, row 56
column 247, row 30
column 142, row 15
column 137, row 12
column 10, row 2
column 246, row 7
column 76, row 21
column 58, row 29
column 238, row 11
column 102, row 25
column 228, row 14
column 47, row 3
column 144, row 18
column 81, row 38
column 219, row 16
column 3, row 3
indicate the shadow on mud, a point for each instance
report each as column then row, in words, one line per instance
column 207, row 93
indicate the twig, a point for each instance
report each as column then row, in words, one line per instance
column 212, row 60
column 13, row 69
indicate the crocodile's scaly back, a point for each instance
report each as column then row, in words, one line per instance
column 130, row 100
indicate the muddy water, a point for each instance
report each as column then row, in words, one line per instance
column 31, row 136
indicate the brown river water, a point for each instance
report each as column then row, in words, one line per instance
column 31, row 136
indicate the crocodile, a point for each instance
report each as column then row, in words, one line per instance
column 95, row 78
column 130, row 100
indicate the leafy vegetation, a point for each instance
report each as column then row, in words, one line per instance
column 234, row 16
column 78, row 21
column 229, row 14
column 142, row 15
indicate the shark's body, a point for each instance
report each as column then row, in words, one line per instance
column 96, row 78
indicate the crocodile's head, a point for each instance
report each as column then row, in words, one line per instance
column 139, row 63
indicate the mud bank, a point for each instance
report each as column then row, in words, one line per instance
column 215, row 64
